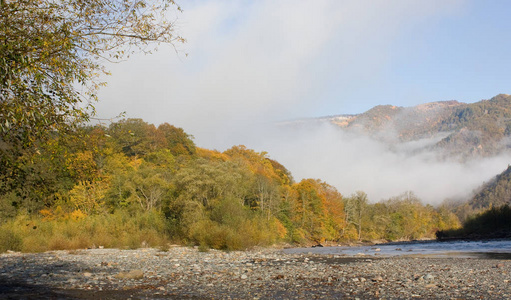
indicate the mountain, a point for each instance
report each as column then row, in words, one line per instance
column 487, row 215
column 456, row 129
column 496, row 192
column 446, row 141
column 492, row 194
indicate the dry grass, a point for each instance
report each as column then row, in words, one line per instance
column 119, row 230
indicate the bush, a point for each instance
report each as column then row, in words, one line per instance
column 9, row 240
column 120, row 229
column 235, row 229
column 493, row 223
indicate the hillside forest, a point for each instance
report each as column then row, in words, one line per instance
column 469, row 130
column 133, row 184
column 65, row 184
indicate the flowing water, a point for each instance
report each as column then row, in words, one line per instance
column 499, row 249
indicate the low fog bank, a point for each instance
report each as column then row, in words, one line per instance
column 354, row 162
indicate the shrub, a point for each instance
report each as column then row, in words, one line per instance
column 9, row 240
column 120, row 229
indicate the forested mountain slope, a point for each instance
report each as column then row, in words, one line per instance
column 480, row 129
column 495, row 193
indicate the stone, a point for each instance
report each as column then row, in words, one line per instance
column 429, row 277
column 133, row 274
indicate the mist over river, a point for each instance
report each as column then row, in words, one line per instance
column 500, row 249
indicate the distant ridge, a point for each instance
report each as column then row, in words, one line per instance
column 495, row 193
column 480, row 129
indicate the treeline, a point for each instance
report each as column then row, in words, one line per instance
column 133, row 184
column 493, row 223
column 496, row 192
column 399, row 218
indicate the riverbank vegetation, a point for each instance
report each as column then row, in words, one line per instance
column 132, row 184
column 494, row 223
column 65, row 185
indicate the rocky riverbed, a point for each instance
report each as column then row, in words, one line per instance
column 183, row 272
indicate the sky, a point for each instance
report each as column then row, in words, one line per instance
column 249, row 64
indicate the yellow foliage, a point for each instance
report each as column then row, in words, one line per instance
column 350, row 233
column 47, row 214
column 211, row 154
column 136, row 162
column 76, row 230
column 82, row 165
column 281, row 229
column 88, row 197
column 77, row 215
column 59, row 212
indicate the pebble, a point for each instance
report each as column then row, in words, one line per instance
column 429, row 277
column 183, row 272
column 133, row 274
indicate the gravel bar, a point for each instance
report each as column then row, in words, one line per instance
column 186, row 273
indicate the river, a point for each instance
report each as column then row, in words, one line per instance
column 500, row 249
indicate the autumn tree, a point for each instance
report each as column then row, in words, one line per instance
column 177, row 140
column 134, row 137
column 309, row 210
column 355, row 208
column 51, row 55
column 48, row 47
column 148, row 186
column 269, row 177
column 335, row 219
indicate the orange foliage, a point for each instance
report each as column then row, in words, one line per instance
column 82, row 165
column 212, row 154
column 257, row 162
column 318, row 209
column 281, row 229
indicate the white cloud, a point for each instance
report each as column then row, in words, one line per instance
column 355, row 162
column 253, row 63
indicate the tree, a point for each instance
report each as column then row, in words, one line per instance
column 148, row 186
column 51, row 55
column 335, row 211
column 133, row 137
column 310, row 211
column 178, row 141
column 355, row 207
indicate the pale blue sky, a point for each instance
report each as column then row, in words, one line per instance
column 465, row 56
column 253, row 62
